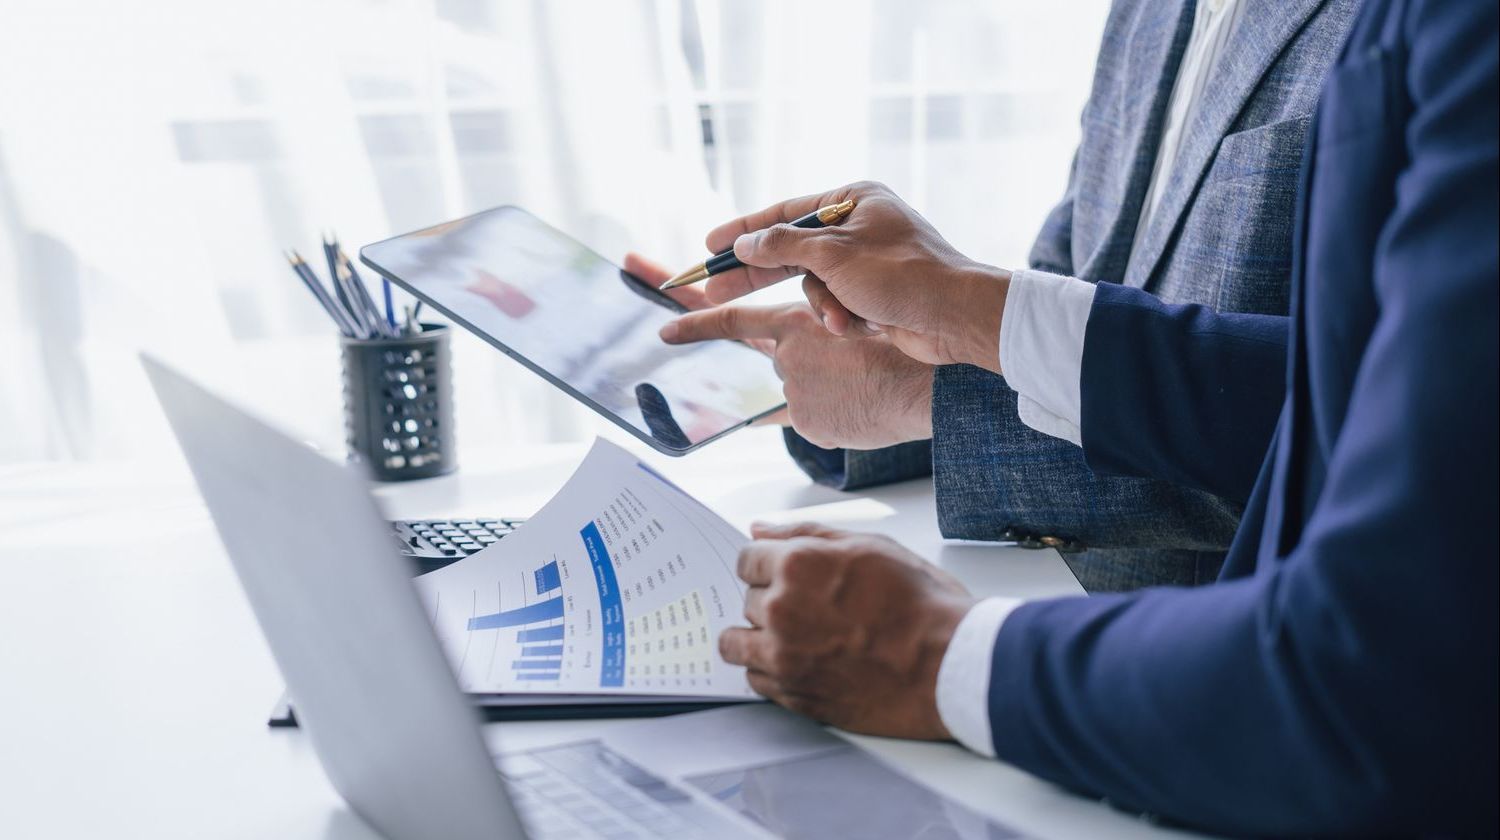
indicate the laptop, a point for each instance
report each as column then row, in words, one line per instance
column 374, row 691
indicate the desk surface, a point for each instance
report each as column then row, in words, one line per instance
column 136, row 685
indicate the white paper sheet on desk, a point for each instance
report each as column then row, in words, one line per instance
column 621, row 584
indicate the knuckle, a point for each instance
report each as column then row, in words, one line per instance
column 799, row 562
column 776, row 236
column 801, row 317
column 849, row 544
column 778, row 611
column 704, row 324
column 743, row 562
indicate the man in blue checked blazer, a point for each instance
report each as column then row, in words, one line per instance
column 1342, row 676
column 1182, row 185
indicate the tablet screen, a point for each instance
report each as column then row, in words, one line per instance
column 583, row 323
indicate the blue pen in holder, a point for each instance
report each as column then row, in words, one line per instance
column 398, row 404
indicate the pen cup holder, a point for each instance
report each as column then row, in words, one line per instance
column 398, row 404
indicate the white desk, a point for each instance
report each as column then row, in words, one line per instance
column 134, row 684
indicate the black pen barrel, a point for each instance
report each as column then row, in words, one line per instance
column 727, row 261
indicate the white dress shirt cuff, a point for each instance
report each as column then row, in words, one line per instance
column 1035, row 415
column 963, row 684
column 1041, row 349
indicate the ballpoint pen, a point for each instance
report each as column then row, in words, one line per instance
column 390, row 305
column 722, row 262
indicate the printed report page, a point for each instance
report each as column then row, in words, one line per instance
column 621, row 584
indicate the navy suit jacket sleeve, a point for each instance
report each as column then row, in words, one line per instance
column 1204, row 415
column 1349, row 684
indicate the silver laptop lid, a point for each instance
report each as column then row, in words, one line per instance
column 371, row 683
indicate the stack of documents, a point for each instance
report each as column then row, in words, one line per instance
column 619, row 586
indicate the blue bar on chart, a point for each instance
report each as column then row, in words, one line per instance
column 547, row 610
column 548, row 578
column 537, row 675
column 536, row 665
column 541, row 634
column 544, row 650
column 611, row 613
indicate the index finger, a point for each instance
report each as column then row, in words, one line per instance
column 722, row 237
column 744, row 646
column 756, row 564
column 735, row 322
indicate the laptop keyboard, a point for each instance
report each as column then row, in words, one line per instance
column 434, row 543
column 587, row 790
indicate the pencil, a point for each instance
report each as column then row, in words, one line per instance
column 305, row 274
column 341, row 290
column 362, row 293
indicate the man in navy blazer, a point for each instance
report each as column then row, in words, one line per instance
column 1341, row 675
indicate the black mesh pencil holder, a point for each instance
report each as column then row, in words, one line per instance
column 398, row 404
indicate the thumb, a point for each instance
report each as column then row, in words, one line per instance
column 780, row 245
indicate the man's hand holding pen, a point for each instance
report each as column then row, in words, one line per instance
column 840, row 392
column 882, row 268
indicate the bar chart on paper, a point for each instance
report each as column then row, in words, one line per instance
column 540, row 629
column 621, row 584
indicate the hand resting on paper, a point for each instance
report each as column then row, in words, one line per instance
column 846, row 628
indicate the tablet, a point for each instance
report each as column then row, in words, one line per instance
column 583, row 324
